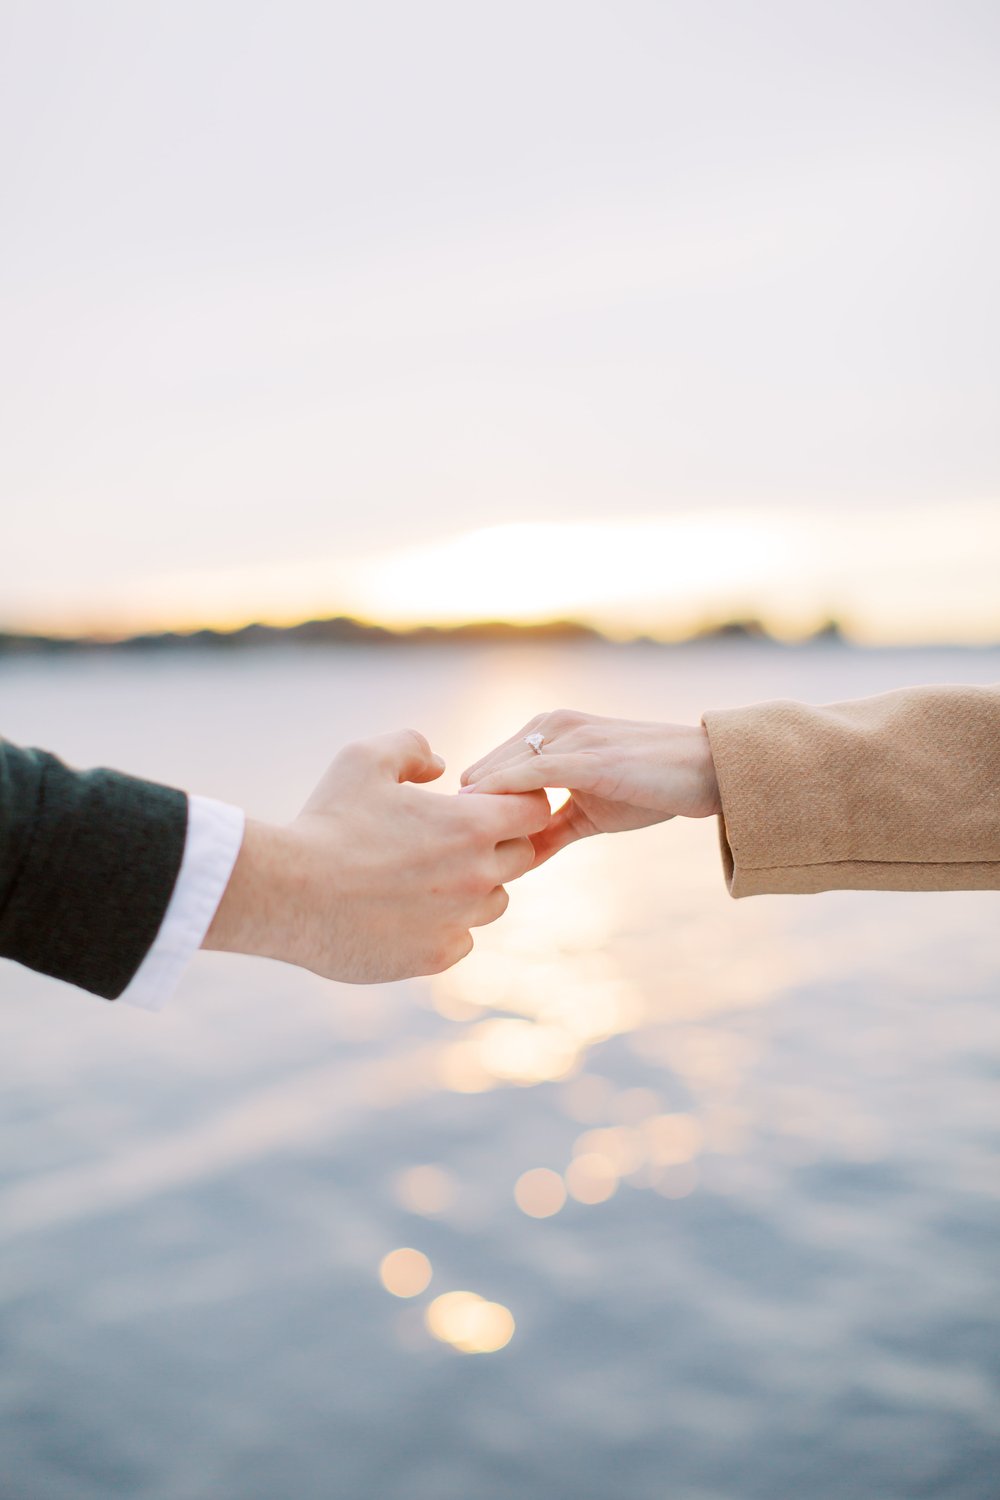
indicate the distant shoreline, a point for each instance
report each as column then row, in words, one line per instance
column 341, row 630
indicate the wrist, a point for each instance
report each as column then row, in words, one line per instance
column 257, row 907
column 708, row 800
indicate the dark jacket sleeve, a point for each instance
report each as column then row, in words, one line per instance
column 88, row 861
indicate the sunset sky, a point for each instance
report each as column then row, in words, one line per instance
column 644, row 313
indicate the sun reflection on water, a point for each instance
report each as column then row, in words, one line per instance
column 539, row 1193
column 583, row 958
column 613, row 981
column 405, row 1272
column 592, row 1177
column 469, row 1323
column 427, row 1189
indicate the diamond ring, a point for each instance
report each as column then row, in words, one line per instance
column 536, row 741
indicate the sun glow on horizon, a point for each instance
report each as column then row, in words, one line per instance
column 891, row 576
column 607, row 572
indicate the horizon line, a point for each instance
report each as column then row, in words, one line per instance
column 353, row 629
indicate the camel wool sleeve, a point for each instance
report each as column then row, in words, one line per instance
column 895, row 792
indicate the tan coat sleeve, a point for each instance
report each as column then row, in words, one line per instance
column 899, row 792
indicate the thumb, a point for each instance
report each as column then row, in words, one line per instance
column 564, row 827
column 405, row 755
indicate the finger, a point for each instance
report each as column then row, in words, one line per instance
column 491, row 907
column 514, row 858
column 499, row 752
column 564, row 827
column 405, row 755
column 536, row 771
column 510, row 817
column 471, row 773
column 516, row 754
column 449, row 954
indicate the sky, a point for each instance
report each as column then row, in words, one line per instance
column 646, row 313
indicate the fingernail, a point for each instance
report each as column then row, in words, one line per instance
column 463, row 789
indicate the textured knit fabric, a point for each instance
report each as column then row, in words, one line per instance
column 88, row 862
column 895, row 792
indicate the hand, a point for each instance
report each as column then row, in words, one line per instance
column 621, row 774
column 376, row 879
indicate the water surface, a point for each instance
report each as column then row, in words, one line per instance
column 789, row 1108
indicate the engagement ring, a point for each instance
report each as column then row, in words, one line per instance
column 536, row 741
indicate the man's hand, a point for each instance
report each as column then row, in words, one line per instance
column 377, row 879
column 622, row 774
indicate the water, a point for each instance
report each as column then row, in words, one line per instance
column 793, row 1288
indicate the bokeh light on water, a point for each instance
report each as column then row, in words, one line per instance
column 708, row 1188
column 469, row 1323
column 405, row 1272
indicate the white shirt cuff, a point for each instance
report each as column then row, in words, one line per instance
column 214, row 836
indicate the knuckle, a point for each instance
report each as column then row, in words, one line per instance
column 418, row 739
column 448, row 951
column 451, row 954
column 536, row 812
column 492, row 907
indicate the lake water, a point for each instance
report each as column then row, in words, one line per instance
column 777, row 1273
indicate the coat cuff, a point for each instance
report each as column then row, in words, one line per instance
column 214, row 838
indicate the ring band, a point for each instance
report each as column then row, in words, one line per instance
column 536, row 741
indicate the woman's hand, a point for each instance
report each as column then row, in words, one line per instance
column 621, row 774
